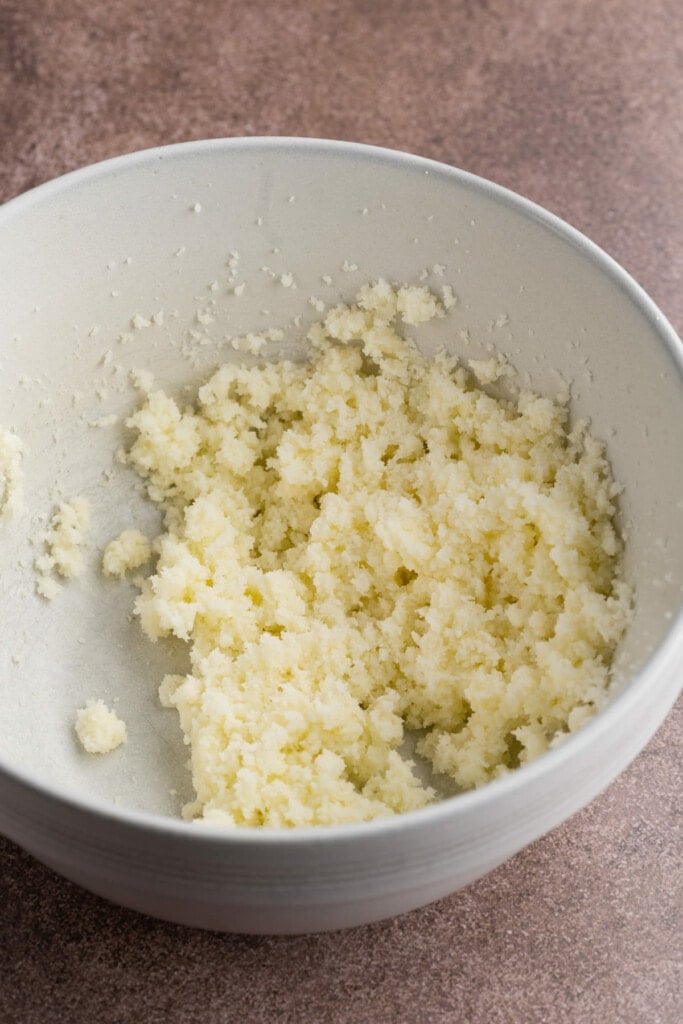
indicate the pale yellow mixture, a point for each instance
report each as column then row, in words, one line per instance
column 367, row 543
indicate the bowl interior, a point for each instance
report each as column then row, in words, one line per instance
column 154, row 232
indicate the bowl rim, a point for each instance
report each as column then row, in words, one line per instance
column 618, row 707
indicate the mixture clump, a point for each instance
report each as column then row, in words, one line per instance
column 367, row 543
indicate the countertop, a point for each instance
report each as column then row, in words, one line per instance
column 576, row 105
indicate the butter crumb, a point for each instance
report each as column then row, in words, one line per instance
column 105, row 421
column 48, row 587
column 99, row 729
column 11, row 474
column 487, row 371
column 252, row 343
column 128, row 551
column 447, row 297
column 63, row 539
column 416, row 305
column 143, row 380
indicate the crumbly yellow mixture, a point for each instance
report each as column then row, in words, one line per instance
column 64, row 538
column 367, row 543
column 99, row 729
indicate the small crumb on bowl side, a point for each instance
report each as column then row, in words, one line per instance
column 128, row 551
column 99, row 729
column 11, row 475
column 64, row 538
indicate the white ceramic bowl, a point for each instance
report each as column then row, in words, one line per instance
column 78, row 257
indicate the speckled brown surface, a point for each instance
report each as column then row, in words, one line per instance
column 576, row 105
